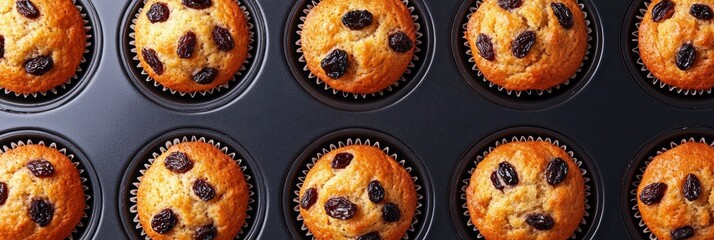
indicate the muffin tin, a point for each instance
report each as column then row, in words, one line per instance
column 275, row 118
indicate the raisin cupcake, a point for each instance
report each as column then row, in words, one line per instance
column 357, row 192
column 360, row 46
column 676, row 43
column 41, row 45
column 191, row 45
column 674, row 194
column 193, row 191
column 528, row 45
column 41, row 195
column 526, row 190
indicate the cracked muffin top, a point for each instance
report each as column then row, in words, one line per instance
column 193, row 191
column 360, row 46
column 191, row 45
column 358, row 192
column 41, row 44
column 528, row 44
column 675, row 195
column 526, row 190
column 676, row 42
column 41, row 195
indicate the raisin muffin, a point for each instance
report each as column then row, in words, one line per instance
column 191, row 45
column 193, row 191
column 359, row 46
column 526, row 190
column 528, row 44
column 676, row 42
column 674, row 195
column 41, row 194
column 41, row 44
column 357, row 192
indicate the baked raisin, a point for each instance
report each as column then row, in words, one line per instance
column 509, row 4
column 400, row 42
column 370, row 236
column 662, row 10
column 556, row 171
column 357, row 20
column 682, row 233
column 309, row 197
column 376, row 191
column 692, row 187
column 522, row 45
column 3, row 193
column 485, row 47
column 507, row 173
column 152, row 59
column 197, row 4
column 205, row 76
column 223, row 38
column 335, row 64
column 685, row 56
column 41, row 212
column 203, row 190
column 340, row 208
column 178, row 162
column 496, row 181
column 40, row 168
column 186, row 45
column 653, row 193
column 391, row 213
column 163, row 221
column 207, row 232
column 27, row 9
column 540, row 221
column 40, row 65
column 2, row 46
column 701, row 11
column 158, row 12
column 342, row 160
column 564, row 15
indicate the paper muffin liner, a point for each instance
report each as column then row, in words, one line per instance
column 133, row 210
column 224, row 87
column 645, row 72
column 348, row 142
column 346, row 95
column 78, row 73
column 83, row 222
column 640, row 171
column 528, row 138
column 518, row 93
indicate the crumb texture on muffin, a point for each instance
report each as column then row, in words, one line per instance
column 675, row 195
column 527, row 44
column 666, row 29
column 193, row 189
column 41, row 44
column 41, row 194
column 526, row 190
column 191, row 47
column 360, row 46
column 358, row 192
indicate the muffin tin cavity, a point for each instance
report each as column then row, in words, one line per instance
column 357, row 136
column 198, row 101
column 628, row 190
column 691, row 99
column 144, row 157
column 359, row 102
column 531, row 99
column 57, row 96
column 594, row 197
column 90, row 183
